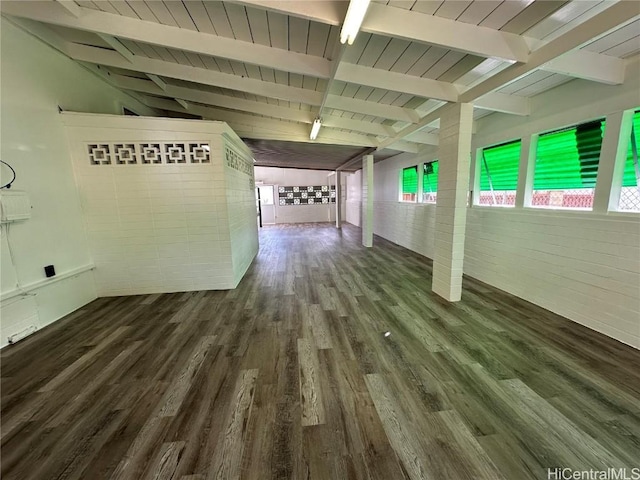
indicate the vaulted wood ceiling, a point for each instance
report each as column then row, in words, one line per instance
column 270, row 67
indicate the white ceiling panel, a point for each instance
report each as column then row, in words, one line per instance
column 499, row 17
column 426, row 61
column 159, row 11
column 477, row 12
column 284, row 52
column 392, row 52
column 566, row 14
column 533, row 14
column 452, row 9
column 627, row 33
column 217, row 14
column 180, row 15
column 428, row 7
column 409, row 57
column 237, row 15
column 372, row 52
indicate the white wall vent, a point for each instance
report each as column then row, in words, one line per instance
column 14, row 205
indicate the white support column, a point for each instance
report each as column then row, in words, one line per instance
column 611, row 164
column 367, row 200
column 526, row 169
column 454, row 154
column 338, row 200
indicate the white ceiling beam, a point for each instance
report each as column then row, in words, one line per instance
column 427, row 88
column 214, row 99
column 405, row 132
column 371, row 108
column 588, row 66
column 393, row 81
column 579, row 64
column 70, row 6
column 329, row 12
column 337, row 55
column 399, row 82
column 424, row 138
column 617, row 14
column 182, row 103
column 194, row 74
column 157, row 80
column 171, row 37
column 117, row 46
column 280, row 129
column 413, row 26
column 369, row 128
column 403, row 146
column 241, row 104
column 501, row 102
column 233, row 82
column 419, row 27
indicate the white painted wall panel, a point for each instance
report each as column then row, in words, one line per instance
column 155, row 228
column 594, row 282
column 241, row 212
column 36, row 79
column 291, row 177
column 581, row 265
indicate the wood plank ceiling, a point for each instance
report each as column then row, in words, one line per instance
column 269, row 68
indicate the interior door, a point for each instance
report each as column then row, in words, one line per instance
column 268, row 207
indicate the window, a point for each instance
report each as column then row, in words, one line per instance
column 266, row 194
column 430, row 182
column 499, row 174
column 566, row 167
column 630, row 193
column 409, row 184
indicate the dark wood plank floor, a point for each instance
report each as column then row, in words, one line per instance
column 290, row 376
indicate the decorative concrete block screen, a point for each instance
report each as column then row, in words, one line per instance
column 307, row 195
column 148, row 153
column 168, row 205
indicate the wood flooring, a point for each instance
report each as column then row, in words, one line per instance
column 291, row 376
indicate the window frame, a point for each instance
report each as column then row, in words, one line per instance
column 422, row 184
column 573, row 191
column 401, row 196
column 482, row 164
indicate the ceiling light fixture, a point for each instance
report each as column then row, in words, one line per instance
column 315, row 129
column 352, row 22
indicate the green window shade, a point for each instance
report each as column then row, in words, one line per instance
column 430, row 177
column 569, row 158
column 410, row 180
column 502, row 162
column 629, row 179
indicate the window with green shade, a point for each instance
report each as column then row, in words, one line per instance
column 499, row 174
column 567, row 166
column 409, row 184
column 630, row 194
column 430, row 182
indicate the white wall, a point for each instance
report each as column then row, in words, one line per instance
column 581, row 265
column 241, row 210
column 300, row 177
column 165, row 227
column 36, row 79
